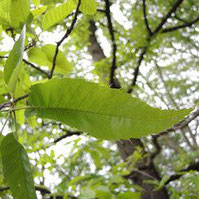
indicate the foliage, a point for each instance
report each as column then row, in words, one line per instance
column 134, row 94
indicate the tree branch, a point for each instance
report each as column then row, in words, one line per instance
column 68, row 134
column 167, row 16
column 112, row 81
column 69, row 30
column 158, row 28
column 35, row 67
column 136, row 71
column 185, row 25
column 157, row 147
column 192, row 167
column 28, row 63
column 44, row 191
column 145, row 18
column 7, row 104
column 181, row 124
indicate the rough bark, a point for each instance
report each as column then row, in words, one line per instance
column 127, row 147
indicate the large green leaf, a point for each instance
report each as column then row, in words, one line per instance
column 57, row 14
column 44, row 57
column 103, row 112
column 13, row 64
column 16, row 168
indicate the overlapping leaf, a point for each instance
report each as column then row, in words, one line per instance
column 88, row 6
column 19, row 12
column 102, row 112
column 57, row 14
column 14, row 13
column 16, row 169
column 13, row 64
column 44, row 57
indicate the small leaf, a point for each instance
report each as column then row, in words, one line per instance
column 57, row 14
column 128, row 195
column 103, row 112
column 44, row 57
column 12, row 67
column 38, row 11
column 88, row 6
column 16, row 169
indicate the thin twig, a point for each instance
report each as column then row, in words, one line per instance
column 167, row 16
column 68, row 134
column 157, row 147
column 69, row 30
column 181, row 124
column 145, row 18
column 157, row 30
column 35, row 67
column 30, row 64
column 112, row 81
column 192, row 167
column 136, row 71
column 7, row 104
column 185, row 25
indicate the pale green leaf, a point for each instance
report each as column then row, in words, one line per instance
column 103, row 112
column 44, row 57
column 12, row 84
column 88, row 6
column 3, row 88
column 57, row 14
column 36, row 2
column 19, row 12
column 87, row 193
column 38, row 11
column 96, row 158
column 16, row 169
column 13, row 64
column 4, row 12
column 13, row 14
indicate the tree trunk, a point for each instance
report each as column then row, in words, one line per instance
column 143, row 170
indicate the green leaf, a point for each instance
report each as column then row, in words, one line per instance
column 36, row 2
column 96, row 158
column 103, row 192
column 103, row 112
column 13, row 14
column 4, row 12
column 44, row 57
column 16, row 169
column 88, row 6
column 128, row 195
column 13, row 64
column 38, row 11
column 87, row 193
column 19, row 12
column 57, row 14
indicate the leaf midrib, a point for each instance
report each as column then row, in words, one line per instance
column 97, row 113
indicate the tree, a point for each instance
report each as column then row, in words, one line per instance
column 131, row 134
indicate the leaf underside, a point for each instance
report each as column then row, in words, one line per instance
column 102, row 112
column 16, row 169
